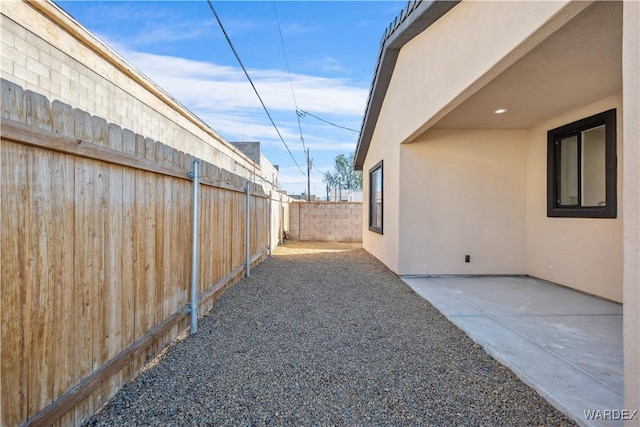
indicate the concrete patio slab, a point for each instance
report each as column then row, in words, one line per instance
column 565, row 344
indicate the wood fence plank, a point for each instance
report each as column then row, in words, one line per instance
column 114, row 259
column 83, row 268
column 62, row 118
column 99, row 209
column 227, row 230
column 83, row 410
column 139, row 257
column 40, row 170
column 207, row 239
column 141, row 145
column 100, row 131
column 12, row 106
column 127, row 278
column 13, row 275
column 38, row 110
column 218, row 214
column 64, row 191
column 159, row 259
column 83, row 129
column 122, row 204
column 169, row 264
column 151, row 200
column 128, row 142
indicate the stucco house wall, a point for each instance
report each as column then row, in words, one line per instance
column 502, row 32
column 631, row 200
column 440, row 77
column 462, row 193
column 384, row 246
column 582, row 253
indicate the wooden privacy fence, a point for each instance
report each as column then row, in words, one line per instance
column 95, row 252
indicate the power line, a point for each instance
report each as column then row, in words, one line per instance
column 251, row 81
column 295, row 103
column 286, row 61
column 323, row 173
column 302, row 113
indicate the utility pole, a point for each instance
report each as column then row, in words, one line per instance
column 308, row 176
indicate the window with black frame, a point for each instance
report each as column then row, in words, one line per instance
column 375, row 198
column 581, row 168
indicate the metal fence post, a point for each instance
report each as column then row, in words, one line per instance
column 270, row 220
column 194, row 247
column 248, row 230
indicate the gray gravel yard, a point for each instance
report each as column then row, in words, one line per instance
column 324, row 334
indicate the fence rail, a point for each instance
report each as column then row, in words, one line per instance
column 95, row 254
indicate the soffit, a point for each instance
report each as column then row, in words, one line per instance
column 577, row 65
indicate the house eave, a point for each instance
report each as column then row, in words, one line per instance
column 413, row 20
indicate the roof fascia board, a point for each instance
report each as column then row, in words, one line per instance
column 419, row 16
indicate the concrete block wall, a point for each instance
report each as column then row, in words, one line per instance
column 44, row 50
column 325, row 221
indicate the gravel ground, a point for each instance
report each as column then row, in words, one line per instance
column 324, row 334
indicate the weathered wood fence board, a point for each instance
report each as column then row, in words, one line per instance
column 95, row 254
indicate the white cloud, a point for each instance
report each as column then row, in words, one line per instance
column 222, row 88
column 222, row 97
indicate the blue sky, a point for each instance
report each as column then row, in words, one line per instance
column 331, row 48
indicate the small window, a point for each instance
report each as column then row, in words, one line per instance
column 581, row 168
column 375, row 198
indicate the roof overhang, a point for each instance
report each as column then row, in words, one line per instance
column 578, row 64
column 417, row 17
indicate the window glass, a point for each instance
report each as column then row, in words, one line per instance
column 593, row 167
column 375, row 198
column 581, row 174
column 568, row 191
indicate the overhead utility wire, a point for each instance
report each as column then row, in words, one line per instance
column 251, row 81
column 302, row 113
column 295, row 102
column 286, row 61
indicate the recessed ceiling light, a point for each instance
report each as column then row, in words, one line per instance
column 500, row 111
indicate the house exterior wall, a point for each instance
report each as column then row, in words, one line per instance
column 437, row 71
column 383, row 148
column 435, row 52
column 582, row 253
column 630, row 165
column 46, row 51
column 515, row 28
column 462, row 193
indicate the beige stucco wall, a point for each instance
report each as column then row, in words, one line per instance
column 435, row 53
column 515, row 28
column 583, row 253
column 51, row 54
column 598, row 256
column 383, row 246
column 462, row 193
column 631, row 203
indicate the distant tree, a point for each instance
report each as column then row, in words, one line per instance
column 343, row 175
column 348, row 178
column 331, row 181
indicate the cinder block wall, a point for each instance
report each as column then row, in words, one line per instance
column 325, row 221
column 45, row 51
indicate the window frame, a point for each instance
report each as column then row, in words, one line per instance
column 377, row 167
column 554, row 209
